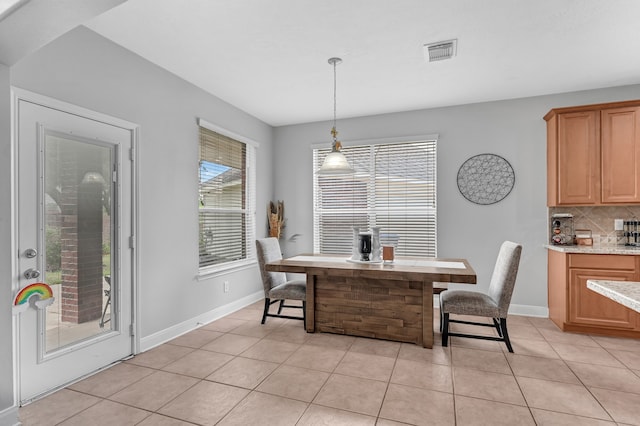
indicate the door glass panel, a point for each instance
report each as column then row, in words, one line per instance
column 77, row 217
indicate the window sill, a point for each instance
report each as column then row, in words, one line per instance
column 214, row 271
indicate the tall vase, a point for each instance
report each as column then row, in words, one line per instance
column 355, row 251
column 375, row 244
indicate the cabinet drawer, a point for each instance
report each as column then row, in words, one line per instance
column 602, row 261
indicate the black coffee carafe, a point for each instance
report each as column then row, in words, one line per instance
column 364, row 246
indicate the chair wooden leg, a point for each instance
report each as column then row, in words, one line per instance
column 441, row 310
column 280, row 307
column 267, row 303
column 304, row 314
column 505, row 334
column 496, row 324
column 445, row 329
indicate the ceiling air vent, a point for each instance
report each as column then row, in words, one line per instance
column 440, row 50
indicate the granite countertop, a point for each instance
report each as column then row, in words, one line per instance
column 595, row 249
column 626, row 293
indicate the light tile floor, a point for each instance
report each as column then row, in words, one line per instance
column 236, row 371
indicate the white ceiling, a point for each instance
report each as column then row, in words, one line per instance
column 269, row 57
column 31, row 24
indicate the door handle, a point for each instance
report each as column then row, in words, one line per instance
column 31, row 273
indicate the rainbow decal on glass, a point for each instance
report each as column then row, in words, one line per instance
column 40, row 291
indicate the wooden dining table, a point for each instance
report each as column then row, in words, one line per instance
column 391, row 301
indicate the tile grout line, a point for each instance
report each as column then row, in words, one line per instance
column 577, row 377
column 384, row 396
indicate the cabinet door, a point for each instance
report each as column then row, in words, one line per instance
column 578, row 158
column 620, row 147
column 590, row 308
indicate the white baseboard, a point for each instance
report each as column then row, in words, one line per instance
column 170, row 333
column 529, row 311
column 524, row 310
column 9, row 417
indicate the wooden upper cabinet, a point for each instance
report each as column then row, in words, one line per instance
column 620, row 146
column 593, row 154
column 578, row 158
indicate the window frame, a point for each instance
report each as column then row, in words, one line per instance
column 250, row 203
column 372, row 143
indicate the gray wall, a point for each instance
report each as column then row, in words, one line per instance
column 86, row 69
column 6, row 348
column 513, row 129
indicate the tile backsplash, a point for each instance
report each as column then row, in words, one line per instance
column 600, row 221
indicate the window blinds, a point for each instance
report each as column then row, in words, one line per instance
column 226, row 197
column 394, row 187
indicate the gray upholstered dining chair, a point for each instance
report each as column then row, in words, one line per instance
column 277, row 288
column 494, row 304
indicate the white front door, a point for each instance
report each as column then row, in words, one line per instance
column 73, row 232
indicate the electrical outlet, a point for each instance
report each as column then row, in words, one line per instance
column 618, row 225
column 226, row 286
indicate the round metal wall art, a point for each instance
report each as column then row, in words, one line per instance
column 486, row 179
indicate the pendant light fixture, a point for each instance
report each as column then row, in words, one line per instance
column 335, row 163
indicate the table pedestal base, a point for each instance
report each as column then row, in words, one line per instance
column 387, row 309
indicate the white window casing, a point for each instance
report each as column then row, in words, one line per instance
column 226, row 197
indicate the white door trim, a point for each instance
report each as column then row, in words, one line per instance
column 18, row 94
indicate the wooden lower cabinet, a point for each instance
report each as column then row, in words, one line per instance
column 590, row 308
column 573, row 307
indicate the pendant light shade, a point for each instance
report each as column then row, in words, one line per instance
column 335, row 163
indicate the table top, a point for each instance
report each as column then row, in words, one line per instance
column 626, row 293
column 403, row 268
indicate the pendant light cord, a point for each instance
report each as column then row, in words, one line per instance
column 335, row 133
